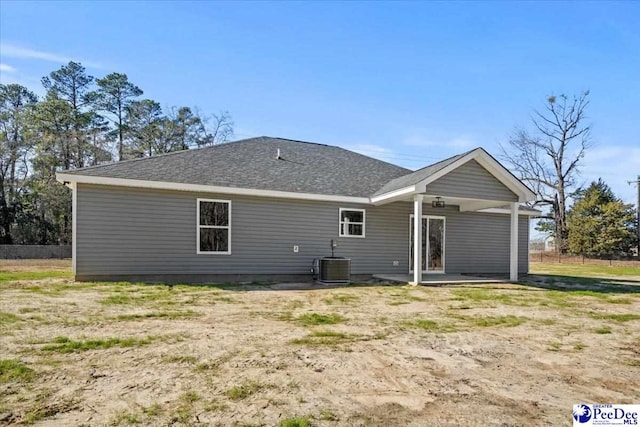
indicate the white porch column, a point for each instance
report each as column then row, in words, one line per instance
column 513, row 270
column 74, row 227
column 417, row 238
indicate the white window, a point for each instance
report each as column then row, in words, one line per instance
column 214, row 227
column 352, row 222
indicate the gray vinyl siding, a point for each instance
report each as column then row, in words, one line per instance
column 127, row 231
column 473, row 181
column 480, row 243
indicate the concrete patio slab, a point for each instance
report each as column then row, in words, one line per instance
column 440, row 279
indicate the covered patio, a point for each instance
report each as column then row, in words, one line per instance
column 474, row 182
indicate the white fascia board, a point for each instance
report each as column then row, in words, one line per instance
column 161, row 185
column 508, row 211
column 392, row 195
column 505, row 177
column 421, row 186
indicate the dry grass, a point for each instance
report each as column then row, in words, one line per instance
column 133, row 354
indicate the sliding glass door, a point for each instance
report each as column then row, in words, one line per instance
column 433, row 234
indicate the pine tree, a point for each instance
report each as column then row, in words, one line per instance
column 599, row 224
column 72, row 85
column 115, row 93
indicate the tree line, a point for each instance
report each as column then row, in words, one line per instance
column 588, row 221
column 81, row 121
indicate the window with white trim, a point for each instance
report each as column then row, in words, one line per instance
column 214, row 226
column 352, row 222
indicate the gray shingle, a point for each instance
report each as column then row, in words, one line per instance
column 251, row 163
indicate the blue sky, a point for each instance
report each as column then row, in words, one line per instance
column 410, row 83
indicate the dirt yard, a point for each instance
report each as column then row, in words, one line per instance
column 123, row 354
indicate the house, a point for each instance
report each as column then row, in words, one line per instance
column 549, row 244
column 264, row 208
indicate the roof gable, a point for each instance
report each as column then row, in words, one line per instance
column 471, row 180
column 417, row 176
column 416, row 182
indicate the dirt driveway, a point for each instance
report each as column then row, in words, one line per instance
column 122, row 354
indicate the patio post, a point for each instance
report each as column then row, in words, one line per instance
column 417, row 238
column 74, row 227
column 513, row 270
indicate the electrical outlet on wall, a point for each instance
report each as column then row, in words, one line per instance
column 396, row 263
column 296, row 248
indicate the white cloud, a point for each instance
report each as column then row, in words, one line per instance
column 13, row 51
column 6, row 68
column 17, row 78
column 429, row 139
column 372, row 150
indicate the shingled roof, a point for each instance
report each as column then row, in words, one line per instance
column 303, row 167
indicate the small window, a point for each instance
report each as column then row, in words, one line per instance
column 214, row 227
column 352, row 222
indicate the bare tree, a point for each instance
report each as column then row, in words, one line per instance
column 218, row 128
column 548, row 159
column 194, row 129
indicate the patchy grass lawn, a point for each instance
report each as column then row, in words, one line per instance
column 591, row 280
column 134, row 354
column 584, row 270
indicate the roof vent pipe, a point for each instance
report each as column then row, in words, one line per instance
column 278, row 155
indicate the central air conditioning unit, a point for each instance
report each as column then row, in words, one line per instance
column 332, row 270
